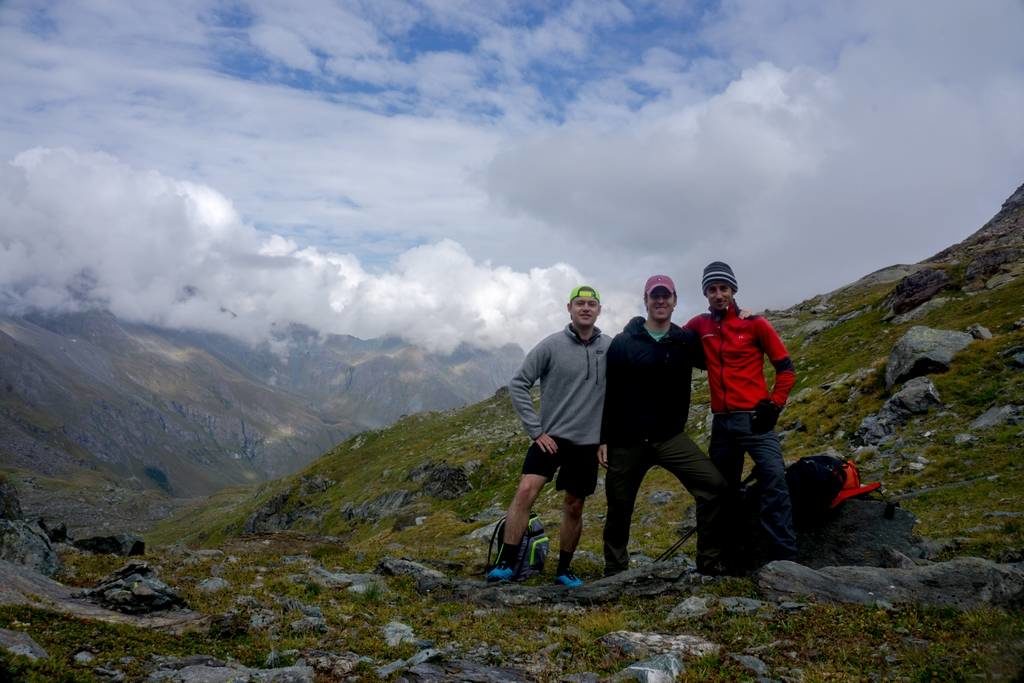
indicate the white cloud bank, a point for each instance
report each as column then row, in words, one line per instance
column 85, row 230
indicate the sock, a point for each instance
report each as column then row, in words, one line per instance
column 509, row 554
column 564, row 560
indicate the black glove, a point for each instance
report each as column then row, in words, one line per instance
column 766, row 414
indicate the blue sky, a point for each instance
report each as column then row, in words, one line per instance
column 302, row 162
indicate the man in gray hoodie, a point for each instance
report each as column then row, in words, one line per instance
column 570, row 365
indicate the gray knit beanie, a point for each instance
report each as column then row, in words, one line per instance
column 716, row 271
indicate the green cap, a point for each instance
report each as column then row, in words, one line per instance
column 586, row 291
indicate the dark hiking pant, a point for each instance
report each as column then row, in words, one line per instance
column 731, row 438
column 627, row 466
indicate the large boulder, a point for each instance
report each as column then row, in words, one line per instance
column 383, row 505
column 206, row 669
column 26, row 544
column 282, row 512
column 427, row 579
column 916, row 288
column 916, row 397
column 964, row 583
column 10, row 504
column 923, row 350
column 134, row 589
column 124, row 545
column 441, row 480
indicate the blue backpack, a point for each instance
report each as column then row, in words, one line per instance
column 533, row 549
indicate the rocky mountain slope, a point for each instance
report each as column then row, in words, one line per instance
column 366, row 564
column 86, row 399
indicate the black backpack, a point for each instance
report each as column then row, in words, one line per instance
column 533, row 549
column 814, row 482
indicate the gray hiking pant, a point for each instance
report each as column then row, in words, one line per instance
column 627, row 466
column 731, row 438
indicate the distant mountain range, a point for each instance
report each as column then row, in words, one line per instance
column 189, row 412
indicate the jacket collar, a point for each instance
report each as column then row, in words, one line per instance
column 571, row 332
column 732, row 312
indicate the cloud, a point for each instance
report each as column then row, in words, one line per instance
column 85, row 230
column 805, row 143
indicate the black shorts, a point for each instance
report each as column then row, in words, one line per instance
column 576, row 465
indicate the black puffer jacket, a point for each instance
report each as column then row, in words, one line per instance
column 648, row 384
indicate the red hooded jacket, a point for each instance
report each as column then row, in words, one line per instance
column 734, row 350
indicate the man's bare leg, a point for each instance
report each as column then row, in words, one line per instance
column 518, row 515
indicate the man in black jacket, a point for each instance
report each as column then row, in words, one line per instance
column 647, row 400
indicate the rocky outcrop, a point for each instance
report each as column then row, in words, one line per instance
column 26, row 544
column 860, row 533
column 134, row 589
column 917, row 397
column 382, row 506
column 442, row 480
column 281, row 512
column 963, row 583
column 633, row 644
column 917, row 288
column 923, row 350
column 206, row 669
column 125, row 545
column 21, row 644
column 999, row 415
column 10, row 504
column 427, row 579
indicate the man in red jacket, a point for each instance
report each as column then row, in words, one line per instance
column 745, row 411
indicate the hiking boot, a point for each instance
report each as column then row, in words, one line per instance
column 501, row 573
column 569, row 580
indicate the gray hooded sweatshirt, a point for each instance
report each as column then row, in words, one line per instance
column 572, row 382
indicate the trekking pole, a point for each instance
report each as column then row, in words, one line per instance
column 677, row 545
column 674, row 548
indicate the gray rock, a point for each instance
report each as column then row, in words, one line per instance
column 10, row 503
column 923, row 350
column 396, row 633
column 633, row 644
column 57, row 533
column 317, row 483
column 277, row 514
column 26, row 544
column 751, row 663
column 463, row 670
column 84, row 657
column 421, row 657
column 964, row 583
column 739, row 605
column 427, row 579
column 134, row 589
column 979, row 331
column 334, row 665
column 213, row 585
column 964, row 439
column 916, row 288
column 205, row 669
column 489, row 514
column 859, row 533
column 692, row 607
column 916, row 397
column 484, row 533
column 309, row 625
column 815, row 327
column 382, row 506
column 124, row 545
column 660, row 497
column 919, row 312
column 999, row 415
column 988, row 263
column 442, row 480
column 19, row 643
column 663, row 668
column 329, row 579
